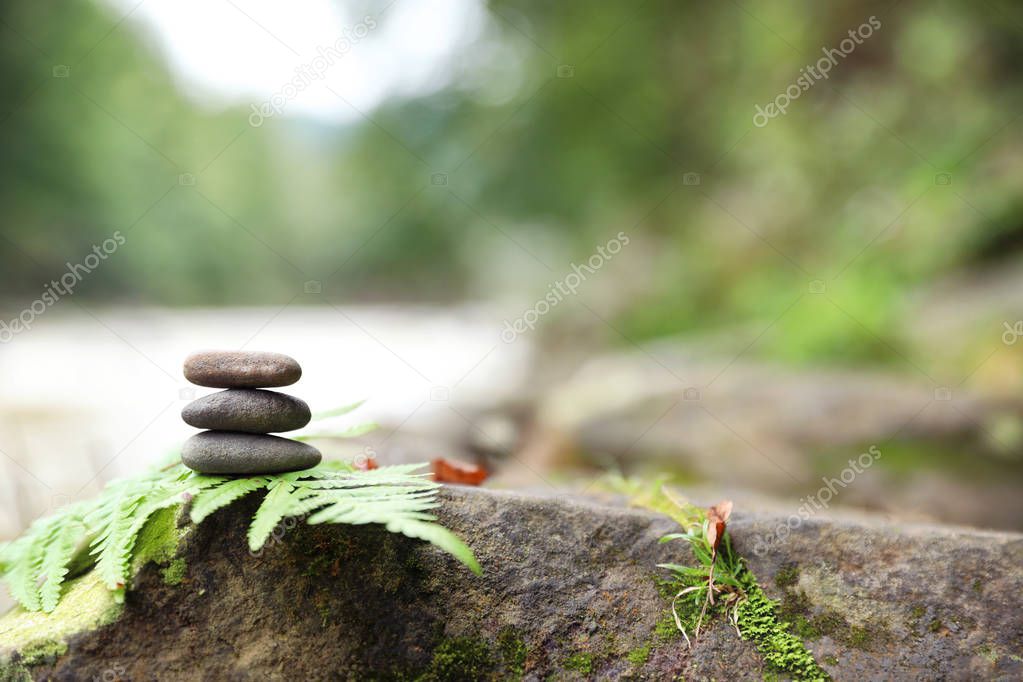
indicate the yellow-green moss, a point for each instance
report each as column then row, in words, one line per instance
column 859, row 637
column 85, row 602
column 787, row 576
column 513, row 650
column 158, row 540
column 581, row 662
column 803, row 627
column 14, row 672
column 639, row 655
column 665, row 630
column 174, row 572
column 782, row 651
column 461, row 658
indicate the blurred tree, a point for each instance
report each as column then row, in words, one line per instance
column 568, row 123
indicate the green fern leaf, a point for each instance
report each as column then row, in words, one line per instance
column 439, row 536
column 214, row 498
column 396, row 497
column 398, row 512
column 396, row 473
column 61, row 543
column 116, row 540
column 276, row 505
column 170, row 492
column 21, row 576
column 358, row 510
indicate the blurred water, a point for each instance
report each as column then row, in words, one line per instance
column 89, row 396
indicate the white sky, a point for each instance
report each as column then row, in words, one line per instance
column 227, row 52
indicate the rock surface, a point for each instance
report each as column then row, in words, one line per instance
column 569, row 590
column 241, row 369
column 228, row 452
column 248, row 410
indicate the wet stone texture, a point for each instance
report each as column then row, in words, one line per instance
column 569, row 591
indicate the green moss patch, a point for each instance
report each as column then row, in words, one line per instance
column 85, row 602
column 639, row 655
column 782, row 651
column 36, row 636
column 174, row 572
column 158, row 540
column 461, row 658
column 665, row 630
column 787, row 576
column 513, row 651
column 581, row 662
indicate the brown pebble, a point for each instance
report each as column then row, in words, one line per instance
column 241, row 369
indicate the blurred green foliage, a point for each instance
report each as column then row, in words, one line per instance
column 846, row 188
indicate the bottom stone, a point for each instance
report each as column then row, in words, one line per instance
column 230, row 452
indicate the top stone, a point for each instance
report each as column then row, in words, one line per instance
column 241, row 369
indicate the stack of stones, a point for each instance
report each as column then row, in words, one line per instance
column 240, row 418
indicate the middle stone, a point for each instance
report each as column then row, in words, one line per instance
column 248, row 410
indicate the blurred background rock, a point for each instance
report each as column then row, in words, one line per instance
column 850, row 274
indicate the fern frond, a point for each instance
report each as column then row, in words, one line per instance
column 405, row 484
column 27, row 555
column 399, row 498
column 439, row 536
column 342, row 507
column 22, row 579
column 400, row 472
column 276, row 505
column 61, row 543
column 217, row 497
column 116, row 540
column 171, row 491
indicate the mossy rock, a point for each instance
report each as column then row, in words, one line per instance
column 569, row 592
